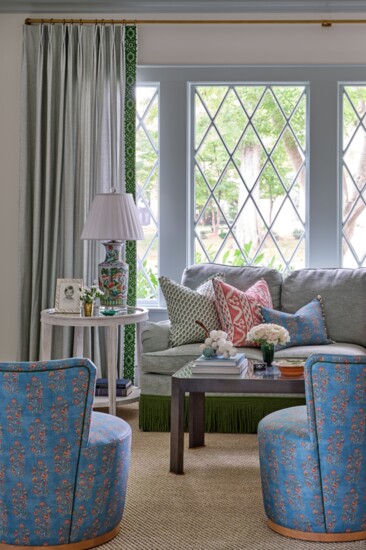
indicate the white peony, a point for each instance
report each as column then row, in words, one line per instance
column 268, row 333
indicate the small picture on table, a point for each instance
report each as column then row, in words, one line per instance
column 68, row 295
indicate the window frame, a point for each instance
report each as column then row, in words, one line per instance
column 341, row 86
column 324, row 227
column 191, row 153
column 152, row 303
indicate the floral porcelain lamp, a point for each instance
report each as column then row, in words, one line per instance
column 113, row 219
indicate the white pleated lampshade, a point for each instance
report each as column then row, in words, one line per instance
column 113, row 217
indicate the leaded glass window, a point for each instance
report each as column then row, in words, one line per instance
column 354, row 176
column 147, row 189
column 249, row 174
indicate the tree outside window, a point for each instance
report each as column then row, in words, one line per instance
column 354, row 176
column 250, row 175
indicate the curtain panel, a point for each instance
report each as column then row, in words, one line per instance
column 73, row 146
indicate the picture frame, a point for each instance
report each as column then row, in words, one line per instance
column 68, row 295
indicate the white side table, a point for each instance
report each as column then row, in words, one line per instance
column 134, row 315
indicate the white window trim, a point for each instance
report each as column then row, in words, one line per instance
column 324, row 231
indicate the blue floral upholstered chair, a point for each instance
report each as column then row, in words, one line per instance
column 313, row 457
column 63, row 468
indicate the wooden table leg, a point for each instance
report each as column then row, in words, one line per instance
column 112, row 366
column 177, row 428
column 196, row 419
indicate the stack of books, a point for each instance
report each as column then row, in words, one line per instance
column 219, row 366
column 124, row 387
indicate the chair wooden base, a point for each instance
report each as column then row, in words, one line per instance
column 316, row 537
column 82, row 545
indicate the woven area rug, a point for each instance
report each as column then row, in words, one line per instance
column 215, row 505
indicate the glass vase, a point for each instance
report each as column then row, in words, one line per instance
column 267, row 353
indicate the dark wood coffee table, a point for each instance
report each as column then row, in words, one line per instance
column 268, row 381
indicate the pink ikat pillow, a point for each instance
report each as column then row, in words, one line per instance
column 239, row 311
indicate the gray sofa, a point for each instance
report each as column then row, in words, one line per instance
column 343, row 293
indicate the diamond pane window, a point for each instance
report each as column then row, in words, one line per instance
column 354, row 176
column 249, row 174
column 147, row 189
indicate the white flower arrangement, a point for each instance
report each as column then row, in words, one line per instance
column 268, row 333
column 89, row 294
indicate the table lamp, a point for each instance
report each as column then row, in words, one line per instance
column 113, row 219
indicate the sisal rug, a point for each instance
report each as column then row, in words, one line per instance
column 215, row 505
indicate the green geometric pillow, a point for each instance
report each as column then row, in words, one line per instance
column 185, row 306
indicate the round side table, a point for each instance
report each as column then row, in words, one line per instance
column 133, row 315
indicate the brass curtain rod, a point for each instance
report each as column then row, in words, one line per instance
column 322, row 22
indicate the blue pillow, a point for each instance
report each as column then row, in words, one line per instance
column 306, row 327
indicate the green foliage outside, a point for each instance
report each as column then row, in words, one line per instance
column 236, row 258
column 147, row 145
column 353, row 176
column 146, row 291
column 250, row 148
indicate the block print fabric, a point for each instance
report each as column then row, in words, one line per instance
column 313, row 458
column 239, row 311
column 306, row 327
column 62, row 477
column 100, row 493
column 185, row 306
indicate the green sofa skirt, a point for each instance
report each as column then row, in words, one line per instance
column 224, row 414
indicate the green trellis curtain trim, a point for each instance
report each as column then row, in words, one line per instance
column 130, row 183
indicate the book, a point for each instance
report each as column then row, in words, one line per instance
column 221, row 372
column 219, row 360
column 120, row 383
column 211, row 368
column 120, row 392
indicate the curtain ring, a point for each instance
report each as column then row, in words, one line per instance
column 81, row 21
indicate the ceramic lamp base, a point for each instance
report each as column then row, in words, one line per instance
column 113, row 276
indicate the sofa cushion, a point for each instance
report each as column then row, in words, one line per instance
column 167, row 362
column 239, row 311
column 185, row 306
column 157, row 368
column 240, row 277
column 306, row 327
column 343, row 292
column 340, row 348
column 155, row 336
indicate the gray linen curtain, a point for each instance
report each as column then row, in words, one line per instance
column 72, row 147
